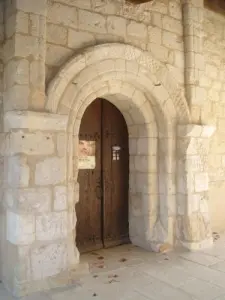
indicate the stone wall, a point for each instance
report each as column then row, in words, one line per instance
column 74, row 25
column 156, row 56
column 39, row 239
column 1, row 122
column 213, row 111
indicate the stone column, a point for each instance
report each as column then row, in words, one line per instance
column 38, row 235
column 193, row 221
column 24, row 54
column 193, row 13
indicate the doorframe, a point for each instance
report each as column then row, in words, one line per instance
column 101, row 108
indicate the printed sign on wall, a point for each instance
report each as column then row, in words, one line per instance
column 86, row 155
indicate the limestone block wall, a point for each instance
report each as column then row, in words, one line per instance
column 39, row 222
column 213, row 111
column 24, row 54
column 1, row 115
column 74, row 25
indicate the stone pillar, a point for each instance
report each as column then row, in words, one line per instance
column 24, row 54
column 193, row 222
column 39, row 218
column 193, row 13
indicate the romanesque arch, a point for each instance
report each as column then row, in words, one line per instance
column 152, row 103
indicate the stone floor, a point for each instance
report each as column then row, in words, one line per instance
column 130, row 273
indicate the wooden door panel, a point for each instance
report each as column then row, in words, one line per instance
column 115, row 175
column 89, row 208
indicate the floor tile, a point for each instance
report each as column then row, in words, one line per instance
column 201, row 258
column 202, row 290
column 131, row 273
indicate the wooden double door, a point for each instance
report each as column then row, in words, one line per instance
column 102, row 211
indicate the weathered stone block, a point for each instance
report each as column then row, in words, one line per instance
column 155, row 35
column 116, row 25
column 62, row 14
column 172, row 40
column 56, row 34
column 77, row 3
column 37, row 25
column 34, row 121
column 61, row 144
column 146, row 146
column 92, row 22
column 17, row 171
column 172, row 25
column 30, row 200
column 175, row 10
column 48, row 260
column 30, row 6
column 36, row 143
column 138, row 30
column 37, row 74
column 201, row 182
column 60, row 198
column 20, row 228
column 16, row 72
column 178, row 59
column 78, row 40
column 57, row 55
column 159, row 52
column 26, row 46
column 18, row 22
column 52, row 226
column 211, row 71
column 196, row 228
column 51, row 171
column 17, row 97
column 196, row 163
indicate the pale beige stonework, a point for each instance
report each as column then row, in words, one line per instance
column 158, row 64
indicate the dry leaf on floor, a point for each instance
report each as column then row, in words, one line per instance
column 113, row 276
column 101, row 257
column 112, row 281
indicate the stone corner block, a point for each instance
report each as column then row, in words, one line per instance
column 50, row 171
column 20, row 228
column 60, row 198
column 34, row 121
column 18, row 174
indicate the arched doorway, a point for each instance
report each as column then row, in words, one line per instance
column 152, row 103
column 102, row 212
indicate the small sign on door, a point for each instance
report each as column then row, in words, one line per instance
column 86, row 155
column 116, row 152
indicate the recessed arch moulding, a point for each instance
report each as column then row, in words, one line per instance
column 164, row 179
column 153, row 105
column 143, row 90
